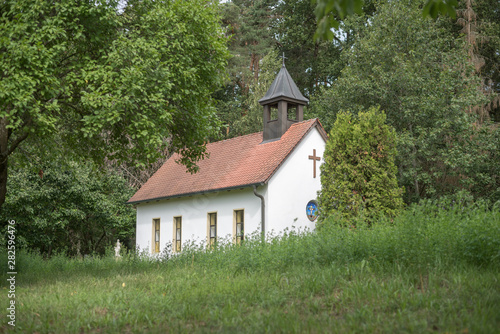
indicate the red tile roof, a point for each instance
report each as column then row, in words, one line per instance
column 232, row 163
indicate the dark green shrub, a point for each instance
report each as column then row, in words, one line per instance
column 358, row 177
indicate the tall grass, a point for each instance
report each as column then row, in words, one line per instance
column 429, row 234
column 435, row 268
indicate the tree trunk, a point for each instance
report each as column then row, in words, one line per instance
column 4, row 154
column 414, row 164
column 5, row 151
column 256, row 69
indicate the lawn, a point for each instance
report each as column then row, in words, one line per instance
column 431, row 270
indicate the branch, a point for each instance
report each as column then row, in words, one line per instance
column 132, row 175
column 337, row 39
column 75, row 108
column 17, row 142
column 67, row 57
column 103, row 235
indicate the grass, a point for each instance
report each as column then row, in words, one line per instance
column 434, row 269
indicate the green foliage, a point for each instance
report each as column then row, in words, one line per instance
column 328, row 11
column 72, row 208
column 419, row 74
column 248, row 23
column 252, row 121
column 433, row 8
column 249, row 27
column 477, row 155
column 311, row 63
column 106, row 80
column 157, row 80
column 480, row 26
column 358, row 177
column 416, row 274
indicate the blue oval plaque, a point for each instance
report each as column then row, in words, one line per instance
column 312, row 210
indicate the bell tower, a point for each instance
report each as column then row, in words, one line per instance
column 283, row 105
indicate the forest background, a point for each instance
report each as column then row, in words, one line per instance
column 437, row 81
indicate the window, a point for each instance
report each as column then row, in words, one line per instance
column 156, row 235
column 212, row 228
column 239, row 221
column 178, row 233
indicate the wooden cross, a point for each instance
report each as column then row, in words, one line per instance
column 314, row 158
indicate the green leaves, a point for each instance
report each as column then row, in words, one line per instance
column 74, row 208
column 328, row 12
column 129, row 85
column 418, row 73
column 435, row 7
column 158, row 79
column 358, row 177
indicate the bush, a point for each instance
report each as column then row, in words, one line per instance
column 79, row 210
column 358, row 177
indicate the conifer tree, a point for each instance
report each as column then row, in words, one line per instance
column 359, row 173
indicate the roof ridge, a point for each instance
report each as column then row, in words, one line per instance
column 256, row 133
column 305, row 121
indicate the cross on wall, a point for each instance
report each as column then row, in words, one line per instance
column 314, row 158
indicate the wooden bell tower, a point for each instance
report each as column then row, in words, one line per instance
column 283, row 105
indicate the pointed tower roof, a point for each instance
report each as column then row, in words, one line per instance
column 283, row 88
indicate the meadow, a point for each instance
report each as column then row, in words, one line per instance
column 433, row 269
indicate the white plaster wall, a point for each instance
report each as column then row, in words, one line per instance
column 293, row 185
column 194, row 211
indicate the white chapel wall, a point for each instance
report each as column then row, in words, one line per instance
column 293, row 186
column 194, row 211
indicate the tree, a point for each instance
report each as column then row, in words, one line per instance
column 480, row 22
column 248, row 26
column 328, row 13
column 119, row 85
column 310, row 62
column 251, row 39
column 419, row 74
column 252, row 121
column 359, row 173
column 72, row 207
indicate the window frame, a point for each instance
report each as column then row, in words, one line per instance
column 211, row 242
column 177, row 242
column 155, row 246
column 238, row 238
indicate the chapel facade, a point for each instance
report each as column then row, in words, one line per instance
column 262, row 183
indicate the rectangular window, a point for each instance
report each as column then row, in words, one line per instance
column 212, row 228
column 291, row 111
column 156, row 235
column 239, row 220
column 178, row 233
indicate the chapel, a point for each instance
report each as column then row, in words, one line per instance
column 262, row 183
